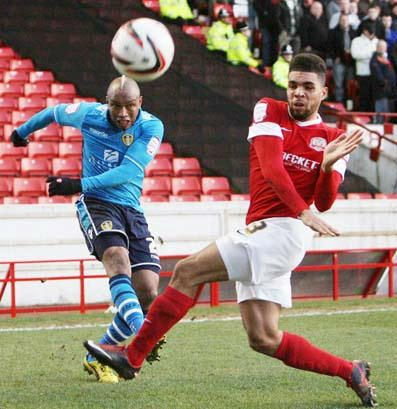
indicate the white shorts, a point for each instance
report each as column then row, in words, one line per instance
column 261, row 256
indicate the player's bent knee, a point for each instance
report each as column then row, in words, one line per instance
column 116, row 261
column 263, row 344
column 184, row 271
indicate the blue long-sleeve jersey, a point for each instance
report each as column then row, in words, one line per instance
column 113, row 159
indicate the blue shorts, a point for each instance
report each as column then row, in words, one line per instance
column 106, row 224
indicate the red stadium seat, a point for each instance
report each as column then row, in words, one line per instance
column 15, row 77
column 21, row 64
column 5, row 117
column 44, row 77
column 9, row 103
column 6, row 186
column 184, row 198
column 186, row 167
column 214, row 198
column 76, row 100
column 33, row 104
column 7, row 53
column 7, row 150
column 52, row 101
column 9, row 167
column 63, row 90
column 35, row 167
column 237, row 197
column 11, row 90
column 218, row 6
column 152, row 5
column 385, row 195
column 340, row 196
column 54, row 199
column 70, row 150
column 19, row 200
column 359, row 196
column 20, row 117
column 52, row 132
column 159, row 167
column 153, row 198
column 195, row 32
column 215, row 185
column 36, row 90
column 156, row 185
column 43, row 150
column 66, row 167
column 7, row 131
column 71, row 134
column 33, row 186
column 4, row 65
column 186, row 185
column 165, row 151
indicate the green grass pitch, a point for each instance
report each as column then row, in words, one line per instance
column 205, row 365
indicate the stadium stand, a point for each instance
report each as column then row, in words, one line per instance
column 188, row 185
column 159, row 167
column 215, row 185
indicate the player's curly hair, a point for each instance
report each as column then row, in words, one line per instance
column 308, row 62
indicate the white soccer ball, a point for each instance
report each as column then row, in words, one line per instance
column 142, row 49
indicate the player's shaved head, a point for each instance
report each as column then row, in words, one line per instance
column 124, row 101
column 123, row 85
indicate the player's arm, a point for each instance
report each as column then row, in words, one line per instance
column 269, row 150
column 333, row 168
column 63, row 114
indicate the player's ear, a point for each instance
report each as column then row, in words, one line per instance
column 107, row 99
column 140, row 100
column 324, row 93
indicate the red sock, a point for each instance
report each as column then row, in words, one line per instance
column 299, row 353
column 166, row 310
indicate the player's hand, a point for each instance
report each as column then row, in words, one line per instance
column 341, row 146
column 63, row 186
column 317, row 224
column 17, row 140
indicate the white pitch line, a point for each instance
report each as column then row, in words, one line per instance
column 199, row 320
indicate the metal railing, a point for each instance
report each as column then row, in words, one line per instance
column 336, row 266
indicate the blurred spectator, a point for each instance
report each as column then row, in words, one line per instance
column 268, row 12
column 220, row 33
column 362, row 49
column 390, row 35
column 333, row 7
column 306, row 4
column 290, row 15
column 353, row 15
column 176, row 10
column 280, row 68
column 252, row 21
column 354, row 21
column 313, row 30
column 239, row 51
column 394, row 16
column 383, row 80
column 373, row 16
column 339, row 43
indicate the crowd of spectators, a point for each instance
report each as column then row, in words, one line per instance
column 346, row 33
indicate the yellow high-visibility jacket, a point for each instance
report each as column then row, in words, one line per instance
column 175, row 8
column 239, row 51
column 219, row 36
column 280, row 71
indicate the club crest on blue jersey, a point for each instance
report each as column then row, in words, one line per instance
column 127, row 139
column 107, row 225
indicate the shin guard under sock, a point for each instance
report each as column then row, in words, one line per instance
column 166, row 310
column 299, row 353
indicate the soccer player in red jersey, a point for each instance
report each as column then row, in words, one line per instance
column 295, row 160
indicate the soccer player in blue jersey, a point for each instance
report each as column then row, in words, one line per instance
column 119, row 140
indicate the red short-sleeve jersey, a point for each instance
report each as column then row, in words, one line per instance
column 303, row 146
